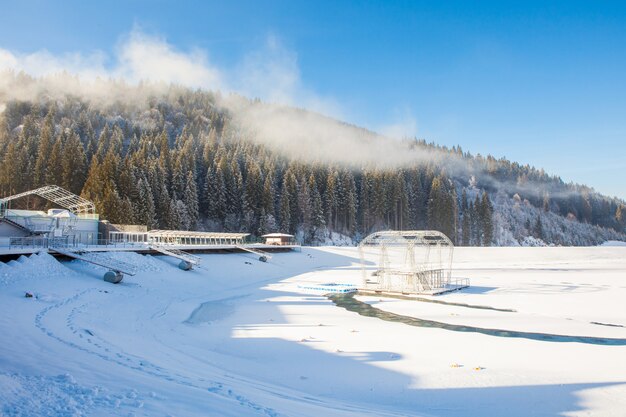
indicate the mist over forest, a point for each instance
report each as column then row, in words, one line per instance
column 173, row 157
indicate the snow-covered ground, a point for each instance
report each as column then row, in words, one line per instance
column 238, row 337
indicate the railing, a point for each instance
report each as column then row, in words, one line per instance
column 67, row 242
column 459, row 282
column 80, row 241
column 36, row 242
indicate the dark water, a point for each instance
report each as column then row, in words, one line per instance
column 350, row 303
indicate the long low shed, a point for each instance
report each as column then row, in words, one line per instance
column 180, row 237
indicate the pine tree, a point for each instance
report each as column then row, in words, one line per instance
column 304, row 207
column 538, row 229
column 110, row 207
column 331, row 200
column 179, row 179
column 467, row 228
column 164, row 208
column 364, row 207
column 53, row 169
column 291, row 190
column 486, row 214
column 190, row 199
column 174, row 214
column 262, row 223
column 253, row 190
column 267, row 197
column 182, row 215
column 46, row 141
column 415, row 201
column 93, row 189
column 146, row 211
column 74, row 165
column 442, row 207
column 463, row 201
column 165, row 157
column 620, row 217
column 546, row 202
column 12, row 163
column 317, row 209
column 477, row 225
column 378, row 198
column 215, row 194
column 102, row 144
column 350, row 203
column 528, row 226
column 285, row 211
column 401, row 206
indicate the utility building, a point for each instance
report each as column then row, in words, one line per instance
column 279, row 239
column 75, row 222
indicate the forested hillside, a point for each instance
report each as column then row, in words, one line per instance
column 180, row 159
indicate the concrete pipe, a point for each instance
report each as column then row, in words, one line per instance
column 185, row 266
column 114, row 277
column 263, row 258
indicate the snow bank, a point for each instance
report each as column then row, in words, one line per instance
column 613, row 243
column 338, row 239
column 58, row 396
column 210, row 311
column 533, row 242
column 36, row 265
column 142, row 263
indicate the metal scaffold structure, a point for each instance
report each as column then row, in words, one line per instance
column 57, row 195
column 407, row 262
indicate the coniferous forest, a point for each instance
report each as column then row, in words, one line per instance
column 178, row 160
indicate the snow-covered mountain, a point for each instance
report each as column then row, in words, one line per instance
column 170, row 157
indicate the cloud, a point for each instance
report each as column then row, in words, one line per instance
column 142, row 60
column 403, row 126
column 43, row 63
column 272, row 73
column 142, row 57
column 143, row 65
column 139, row 57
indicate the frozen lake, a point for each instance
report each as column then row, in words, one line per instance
column 240, row 337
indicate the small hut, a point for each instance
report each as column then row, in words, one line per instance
column 279, row 239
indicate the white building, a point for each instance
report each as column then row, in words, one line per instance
column 76, row 222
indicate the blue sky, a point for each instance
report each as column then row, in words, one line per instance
column 542, row 83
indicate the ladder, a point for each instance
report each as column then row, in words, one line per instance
column 263, row 256
column 39, row 229
column 99, row 259
column 176, row 253
column 17, row 225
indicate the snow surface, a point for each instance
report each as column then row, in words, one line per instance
column 238, row 337
column 614, row 243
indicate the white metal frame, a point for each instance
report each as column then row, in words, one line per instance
column 60, row 196
column 416, row 261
